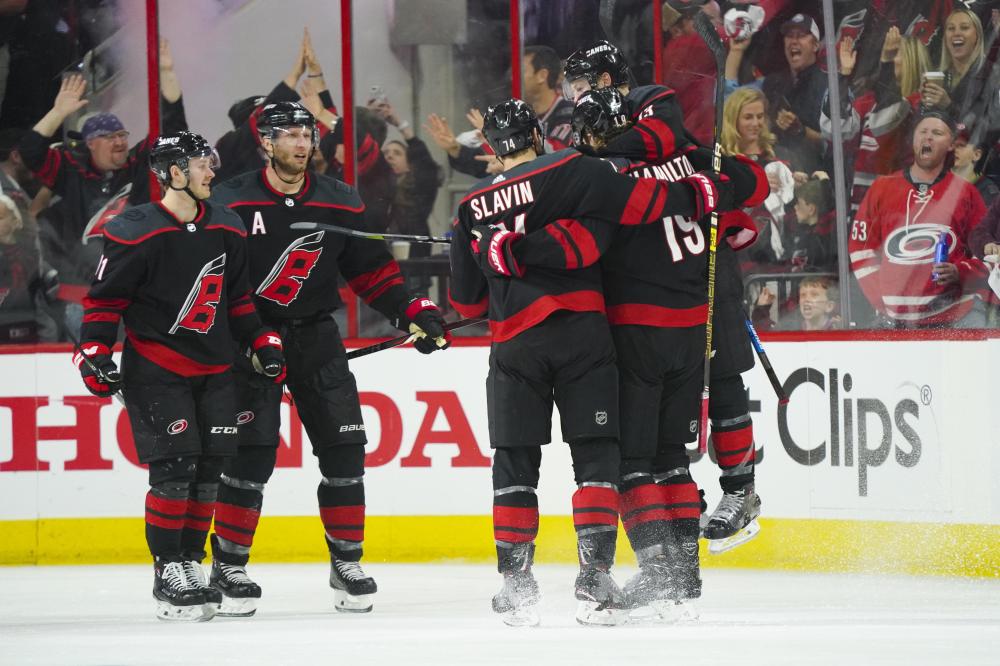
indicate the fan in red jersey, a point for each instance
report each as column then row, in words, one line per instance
column 899, row 226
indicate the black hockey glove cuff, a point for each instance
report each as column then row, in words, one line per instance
column 267, row 355
column 712, row 192
column 426, row 323
column 493, row 247
column 98, row 369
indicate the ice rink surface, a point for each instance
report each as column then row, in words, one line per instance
column 440, row 614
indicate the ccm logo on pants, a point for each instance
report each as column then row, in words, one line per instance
column 224, row 430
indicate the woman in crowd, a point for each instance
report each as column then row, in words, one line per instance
column 746, row 130
column 962, row 59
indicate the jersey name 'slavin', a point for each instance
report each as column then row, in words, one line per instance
column 673, row 170
column 515, row 194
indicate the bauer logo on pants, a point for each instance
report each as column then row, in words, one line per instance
column 601, row 418
column 177, row 427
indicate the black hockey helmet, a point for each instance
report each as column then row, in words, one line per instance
column 178, row 149
column 281, row 115
column 602, row 113
column 510, row 126
column 590, row 62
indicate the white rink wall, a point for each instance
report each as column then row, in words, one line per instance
column 875, row 431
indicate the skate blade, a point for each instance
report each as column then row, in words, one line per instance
column 197, row 613
column 349, row 603
column 591, row 613
column 521, row 617
column 237, row 606
column 746, row 534
column 669, row 611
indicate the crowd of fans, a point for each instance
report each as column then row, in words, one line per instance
column 917, row 85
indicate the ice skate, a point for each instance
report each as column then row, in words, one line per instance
column 196, row 578
column 602, row 602
column 353, row 588
column 176, row 598
column 517, row 600
column 648, row 589
column 734, row 521
column 239, row 593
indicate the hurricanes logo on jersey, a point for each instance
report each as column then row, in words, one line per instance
column 198, row 313
column 283, row 284
column 914, row 244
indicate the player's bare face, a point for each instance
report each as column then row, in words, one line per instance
column 291, row 147
column 576, row 87
column 960, row 37
column 932, row 141
column 200, row 175
column 750, row 122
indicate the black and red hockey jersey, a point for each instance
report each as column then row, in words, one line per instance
column 658, row 126
column 892, row 247
column 559, row 195
column 294, row 273
column 181, row 288
column 656, row 274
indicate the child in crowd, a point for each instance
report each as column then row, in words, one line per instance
column 818, row 300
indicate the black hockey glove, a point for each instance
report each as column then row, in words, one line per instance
column 266, row 355
column 100, row 374
column 712, row 192
column 427, row 324
column 493, row 248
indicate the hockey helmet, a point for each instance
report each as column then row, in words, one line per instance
column 178, row 149
column 283, row 115
column 510, row 126
column 602, row 113
column 591, row 62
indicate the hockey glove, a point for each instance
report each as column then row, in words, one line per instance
column 427, row 324
column 267, row 357
column 99, row 372
column 493, row 247
column 712, row 192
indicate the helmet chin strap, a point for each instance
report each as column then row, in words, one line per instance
column 186, row 189
column 274, row 166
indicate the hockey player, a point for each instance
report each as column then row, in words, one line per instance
column 294, row 277
column 655, row 287
column 657, row 135
column 551, row 341
column 176, row 272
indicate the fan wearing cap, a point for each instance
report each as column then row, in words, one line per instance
column 175, row 273
column 87, row 181
column 795, row 96
column 901, row 220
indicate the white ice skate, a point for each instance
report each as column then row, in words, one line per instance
column 517, row 600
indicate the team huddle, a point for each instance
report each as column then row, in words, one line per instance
column 591, row 264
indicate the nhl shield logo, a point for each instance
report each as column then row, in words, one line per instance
column 601, row 418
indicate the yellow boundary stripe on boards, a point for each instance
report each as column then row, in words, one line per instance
column 808, row 545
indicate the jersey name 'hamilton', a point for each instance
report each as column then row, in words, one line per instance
column 293, row 273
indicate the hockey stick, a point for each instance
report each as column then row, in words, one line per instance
column 703, row 26
column 370, row 235
column 764, row 361
column 403, row 339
